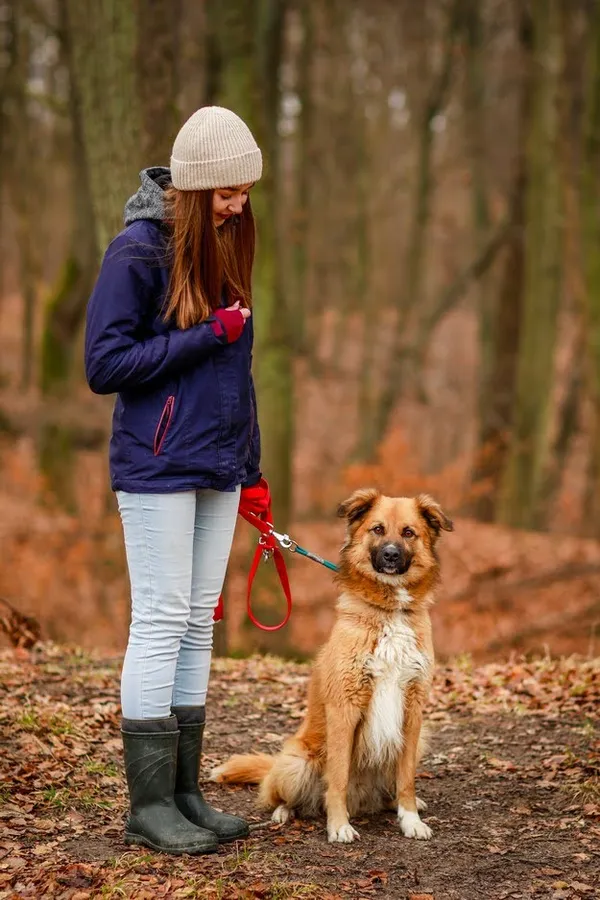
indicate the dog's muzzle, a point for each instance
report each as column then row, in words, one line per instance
column 390, row 559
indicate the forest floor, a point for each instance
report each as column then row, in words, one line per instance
column 512, row 783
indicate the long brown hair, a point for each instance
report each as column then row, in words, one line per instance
column 205, row 260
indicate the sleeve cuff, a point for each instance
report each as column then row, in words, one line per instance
column 252, row 480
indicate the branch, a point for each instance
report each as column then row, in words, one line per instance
column 471, row 273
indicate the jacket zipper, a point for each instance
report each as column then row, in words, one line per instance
column 163, row 424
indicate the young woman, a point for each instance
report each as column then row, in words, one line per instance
column 169, row 330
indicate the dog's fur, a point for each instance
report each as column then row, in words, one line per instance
column 358, row 747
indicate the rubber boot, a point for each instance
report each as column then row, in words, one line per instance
column 188, row 796
column 150, row 748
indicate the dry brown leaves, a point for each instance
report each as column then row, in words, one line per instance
column 63, row 800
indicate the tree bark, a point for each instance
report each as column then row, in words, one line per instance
column 410, row 288
column 590, row 239
column 157, row 76
column 524, row 476
column 104, row 40
column 18, row 141
column 249, row 36
column 65, row 307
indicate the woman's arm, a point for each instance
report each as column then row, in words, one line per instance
column 115, row 358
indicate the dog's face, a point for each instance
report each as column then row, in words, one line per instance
column 392, row 539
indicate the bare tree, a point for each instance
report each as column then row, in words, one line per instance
column 530, row 443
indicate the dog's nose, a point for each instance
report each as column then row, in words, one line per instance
column 390, row 554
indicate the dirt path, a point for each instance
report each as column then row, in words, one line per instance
column 511, row 783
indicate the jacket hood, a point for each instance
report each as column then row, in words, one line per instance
column 148, row 200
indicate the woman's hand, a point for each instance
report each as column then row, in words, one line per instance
column 230, row 321
column 256, row 499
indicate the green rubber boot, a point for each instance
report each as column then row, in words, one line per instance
column 188, row 796
column 150, row 748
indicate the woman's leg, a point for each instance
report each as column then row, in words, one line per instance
column 159, row 540
column 215, row 523
column 216, row 514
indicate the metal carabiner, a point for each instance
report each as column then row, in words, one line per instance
column 285, row 541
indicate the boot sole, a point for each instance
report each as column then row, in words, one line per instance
column 140, row 841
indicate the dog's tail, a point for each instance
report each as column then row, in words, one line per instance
column 247, row 768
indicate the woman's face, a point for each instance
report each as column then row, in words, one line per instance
column 228, row 202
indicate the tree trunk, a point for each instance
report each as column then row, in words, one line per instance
column 65, row 308
column 8, row 108
column 498, row 377
column 249, row 39
column 104, row 42
column 157, row 77
column 22, row 182
column 296, row 285
column 500, row 336
column 410, row 288
column 474, row 112
column 590, row 239
column 524, row 476
column 249, row 36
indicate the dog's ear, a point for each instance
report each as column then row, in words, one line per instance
column 358, row 505
column 433, row 514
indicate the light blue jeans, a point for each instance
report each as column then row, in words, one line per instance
column 177, row 547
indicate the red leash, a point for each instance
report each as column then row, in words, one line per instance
column 267, row 548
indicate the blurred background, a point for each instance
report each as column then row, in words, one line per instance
column 427, row 292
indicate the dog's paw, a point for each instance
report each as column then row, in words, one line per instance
column 345, row 834
column 412, row 826
column 421, row 805
column 281, row 815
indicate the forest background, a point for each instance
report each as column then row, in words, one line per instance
column 427, row 292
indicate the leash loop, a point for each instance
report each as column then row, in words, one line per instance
column 267, row 549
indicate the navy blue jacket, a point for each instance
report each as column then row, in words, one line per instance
column 185, row 414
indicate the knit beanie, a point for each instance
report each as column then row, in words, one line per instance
column 214, row 149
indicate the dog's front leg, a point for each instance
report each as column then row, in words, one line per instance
column 408, row 816
column 341, row 725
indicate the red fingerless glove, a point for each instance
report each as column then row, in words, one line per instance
column 256, row 499
column 229, row 322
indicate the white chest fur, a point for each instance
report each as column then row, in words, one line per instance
column 395, row 661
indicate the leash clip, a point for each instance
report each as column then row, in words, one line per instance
column 285, row 541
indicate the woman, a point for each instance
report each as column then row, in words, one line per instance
column 169, row 329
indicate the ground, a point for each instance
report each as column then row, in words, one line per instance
column 511, row 781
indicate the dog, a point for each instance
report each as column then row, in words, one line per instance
column 360, row 742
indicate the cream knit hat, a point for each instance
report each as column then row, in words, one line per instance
column 214, row 149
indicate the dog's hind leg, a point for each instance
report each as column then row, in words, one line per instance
column 281, row 814
column 293, row 783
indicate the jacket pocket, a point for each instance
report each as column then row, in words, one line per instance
column 164, row 423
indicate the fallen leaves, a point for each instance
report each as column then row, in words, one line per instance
column 504, row 765
column 546, row 687
column 62, row 794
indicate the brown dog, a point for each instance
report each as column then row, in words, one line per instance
column 358, row 747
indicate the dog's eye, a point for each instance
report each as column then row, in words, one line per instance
column 378, row 529
column 408, row 533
